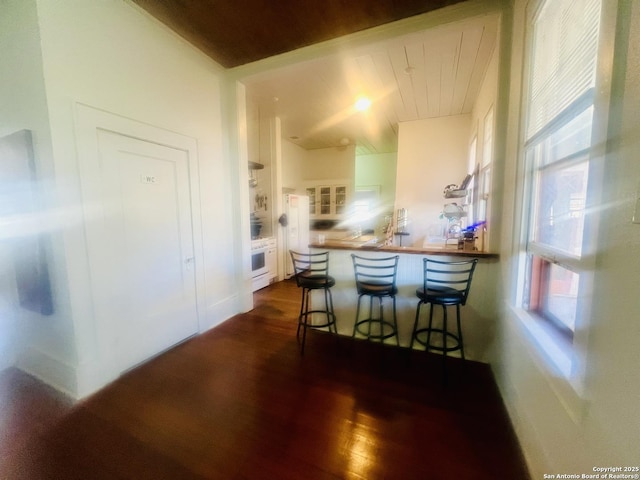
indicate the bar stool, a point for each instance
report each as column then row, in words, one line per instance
column 312, row 273
column 376, row 278
column 446, row 283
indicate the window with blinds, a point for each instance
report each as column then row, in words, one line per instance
column 559, row 118
column 563, row 63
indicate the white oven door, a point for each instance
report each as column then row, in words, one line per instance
column 259, row 262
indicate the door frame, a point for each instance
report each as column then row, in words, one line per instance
column 88, row 121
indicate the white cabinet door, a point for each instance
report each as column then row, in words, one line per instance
column 339, row 199
column 311, row 193
column 272, row 258
column 327, row 201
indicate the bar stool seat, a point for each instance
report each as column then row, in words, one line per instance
column 311, row 272
column 446, row 283
column 376, row 278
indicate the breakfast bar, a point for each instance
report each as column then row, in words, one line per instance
column 478, row 315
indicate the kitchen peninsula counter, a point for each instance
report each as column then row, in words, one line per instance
column 366, row 246
column 478, row 315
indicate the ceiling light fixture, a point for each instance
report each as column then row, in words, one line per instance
column 362, row 104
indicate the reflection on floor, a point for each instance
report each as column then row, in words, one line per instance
column 240, row 402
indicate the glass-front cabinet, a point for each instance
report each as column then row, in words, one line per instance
column 340, row 199
column 327, row 201
column 311, row 193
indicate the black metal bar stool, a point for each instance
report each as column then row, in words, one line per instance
column 446, row 283
column 312, row 273
column 376, row 278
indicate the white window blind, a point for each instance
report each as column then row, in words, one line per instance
column 565, row 44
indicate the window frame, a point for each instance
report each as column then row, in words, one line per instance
column 472, row 190
column 484, row 180
column 563, row 358
column 537, row 251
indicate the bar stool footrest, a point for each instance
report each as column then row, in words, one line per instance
column 302, row 319
column 456, row 346
column 379, row 336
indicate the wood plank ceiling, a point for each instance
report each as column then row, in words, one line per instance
column 427, row 74
column 433, row 73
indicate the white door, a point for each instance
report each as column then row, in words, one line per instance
column 297, row 233
column 148, row 254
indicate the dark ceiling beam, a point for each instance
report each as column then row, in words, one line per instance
column 237, row 32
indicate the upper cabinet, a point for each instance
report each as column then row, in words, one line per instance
column 328, row 201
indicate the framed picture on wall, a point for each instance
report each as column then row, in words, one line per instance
column 19, row 213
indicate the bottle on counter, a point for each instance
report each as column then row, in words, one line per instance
column 481, row 238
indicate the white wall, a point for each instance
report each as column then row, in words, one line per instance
column 111, row 55
column 432, row 154
column 602, row 426
column 330, row 163
column 23, row 106
column 377, row 173
column 379, row 170
column 301, row 167
column 293, row 161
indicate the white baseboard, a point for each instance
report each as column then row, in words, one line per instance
column 52, row 371
column 7, row 357
column 81, row 381
column 219, row 312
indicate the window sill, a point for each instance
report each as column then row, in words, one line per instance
column 557, row 359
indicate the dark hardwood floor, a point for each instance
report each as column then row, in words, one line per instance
column 239, row 402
